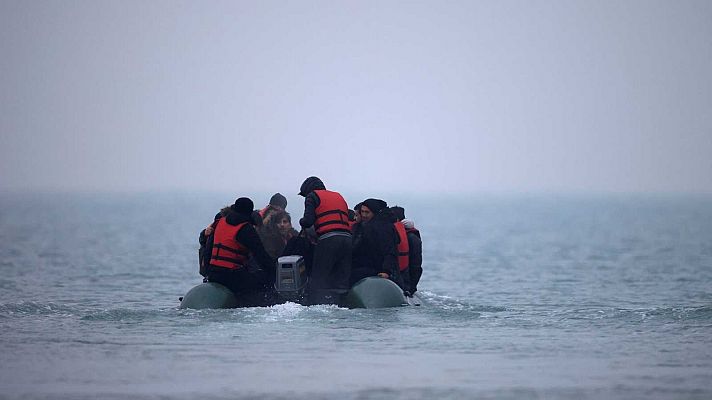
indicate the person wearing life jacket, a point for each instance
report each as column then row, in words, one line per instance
column 375, row 243
column 402, row 247
column 327, row 212
column 415, row 255
column 206, row 243
column 276, row 204
column 238, row 259
column 206, row 240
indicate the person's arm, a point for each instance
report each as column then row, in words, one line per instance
column 415, row 269
column 311, row 202
column 210, row 228
column 387, row 248
column 269, row 213
column 415, row 251
column 249, row 238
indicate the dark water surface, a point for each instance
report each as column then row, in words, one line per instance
column 525, row 297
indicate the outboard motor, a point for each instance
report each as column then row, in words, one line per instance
column 291, row 278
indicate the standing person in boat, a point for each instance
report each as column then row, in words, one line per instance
column 277, row 203
column 415, row 255
column 327, row 212
column 235, row 242
column 375, row 239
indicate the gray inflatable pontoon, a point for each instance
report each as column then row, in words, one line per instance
column 370, row 292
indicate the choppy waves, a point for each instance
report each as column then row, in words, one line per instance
column 33, row 308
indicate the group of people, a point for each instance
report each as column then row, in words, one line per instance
column 340, row 246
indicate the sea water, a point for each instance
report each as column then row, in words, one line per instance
column 551, row 297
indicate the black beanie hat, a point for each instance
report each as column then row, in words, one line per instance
column 311, row 184
column 399, row 212
column 375, row 205
column 243, row 205
column 278, row 200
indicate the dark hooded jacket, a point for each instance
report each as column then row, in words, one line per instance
column 311, row 200
column 375, row 245
column 415, row 258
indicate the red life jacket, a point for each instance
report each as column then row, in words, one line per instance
column 228, row 252
column 403, row 248
column 332, row 213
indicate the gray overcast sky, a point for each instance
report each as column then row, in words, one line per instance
column 456, row 96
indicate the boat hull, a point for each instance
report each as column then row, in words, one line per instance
column 209, row 295
column 375, row 292
column 370, row 292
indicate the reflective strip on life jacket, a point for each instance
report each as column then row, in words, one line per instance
column 403, row 248
column 332, row 212
column 228, row 252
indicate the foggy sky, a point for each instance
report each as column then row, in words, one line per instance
column 455, row 96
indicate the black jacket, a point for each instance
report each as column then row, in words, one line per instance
column 375, row 247
column 311, row 202
column 415, row 249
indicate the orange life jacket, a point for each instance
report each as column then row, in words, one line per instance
column 403, row 248
column 228, row 252
column 332, row 212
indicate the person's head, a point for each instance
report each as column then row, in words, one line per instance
column 365, row 213
column 283, row 221
column 278, row 202
column 357, row 208
column 243, row 206
column 352, row 215
column 372, row 207
column 311, row 184
column 399, row 212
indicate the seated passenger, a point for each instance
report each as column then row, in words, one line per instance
column 276, row 204
column 357, row 214
column 206, row 239
column 375, row 238
column 276, row 233
column 235, row 244
column 402, row 246
column 206, row 243
column 415, row 255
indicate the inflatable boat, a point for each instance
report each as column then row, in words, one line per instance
column 370, row 292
